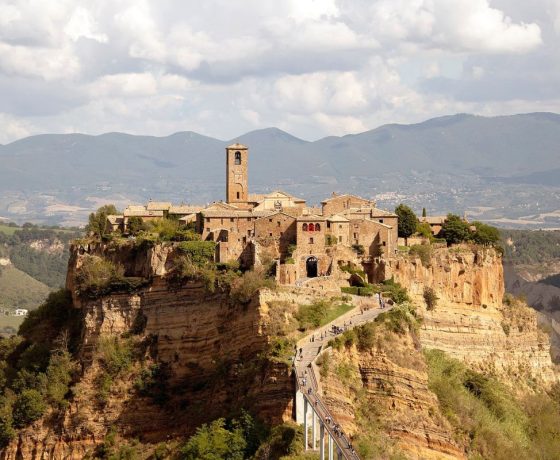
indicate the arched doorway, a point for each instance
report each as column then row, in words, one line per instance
column 311, row 267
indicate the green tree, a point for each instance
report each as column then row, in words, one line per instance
column 423, row 212
column 485, row 234
column 28, row 407
column 215, row 442
column 136, row 225
column 98, row 220
column 407, row 220
column 455, row 230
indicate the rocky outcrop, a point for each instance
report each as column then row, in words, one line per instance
column 470, row 320
column 385, row 389
column 214, row 351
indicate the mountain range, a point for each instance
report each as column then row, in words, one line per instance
column 45, row 176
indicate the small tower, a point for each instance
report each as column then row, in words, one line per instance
column 236, row 174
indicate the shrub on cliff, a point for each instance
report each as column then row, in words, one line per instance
column 246, row 286
column 215, row 442
column 487, row 416
column 394, row 291
column 284, row 441
column 423, row 252
column 485, row 234
column 199, row 252
column 455, row 230
column 28, row 407
column 96, row 274
column 430, row 298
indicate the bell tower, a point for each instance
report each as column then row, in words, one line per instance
column 236, row 174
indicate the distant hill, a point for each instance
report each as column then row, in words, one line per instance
column 44, row 172
column 19, row 290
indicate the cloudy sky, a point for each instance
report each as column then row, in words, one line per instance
column 311, row 67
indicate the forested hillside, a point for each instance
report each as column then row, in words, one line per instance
column 33, row 262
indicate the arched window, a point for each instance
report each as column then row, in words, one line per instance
column 304, row 227
column 317, row 228
column 311, row 227
column 237, row 158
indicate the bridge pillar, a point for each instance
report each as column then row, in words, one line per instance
column 331, row 457
column 306, row 442
column 314, row 430
column 321, row 441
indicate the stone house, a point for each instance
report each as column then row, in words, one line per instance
column 250, row 228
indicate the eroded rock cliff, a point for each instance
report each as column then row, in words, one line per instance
column 213, row 351
column 470, row 320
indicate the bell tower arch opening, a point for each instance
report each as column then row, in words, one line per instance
column 236, row 174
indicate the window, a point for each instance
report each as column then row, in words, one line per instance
column 222, row 221
column 328, row 224
column 340, row 239
column 231, row 219
column 311, row 227
column 278, row 222
column 317, row 228
column 208, row 219
column 355, row 235
column 270, row 234
column 237, row 158
column 270, row 220
column 384, row 243
column 304, row 227
column 310, row 240
column 339, row 225
column 238, row 195
column 380, row 221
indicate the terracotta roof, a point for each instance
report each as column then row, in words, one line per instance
column 134, row 207
column 237, row 145
column 310, row 217
column 158, row 206
column 275, row 213
column 236, row 213
column 376, row 212
column 184, row 209
column 142, row 213
column 433, row 220
column 335, row 197
column 337, row 218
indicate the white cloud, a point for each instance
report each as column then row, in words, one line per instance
column 455, row 25
column 313, row 67
column 83, row 24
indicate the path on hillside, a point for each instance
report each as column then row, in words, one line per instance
column 366, row 310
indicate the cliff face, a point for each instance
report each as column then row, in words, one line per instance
column 210, row 347
column 389, row 383
column 470, row 320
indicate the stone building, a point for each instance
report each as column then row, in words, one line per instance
column 306, row 242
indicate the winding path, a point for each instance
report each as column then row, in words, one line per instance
column 307, row 380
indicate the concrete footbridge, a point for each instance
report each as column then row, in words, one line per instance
column 327, row 435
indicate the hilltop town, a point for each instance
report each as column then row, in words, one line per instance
column 305, row 241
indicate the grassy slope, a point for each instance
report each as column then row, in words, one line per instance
column 19, row 290
column 8, row 230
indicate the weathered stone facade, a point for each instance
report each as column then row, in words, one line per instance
column 278, row 226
